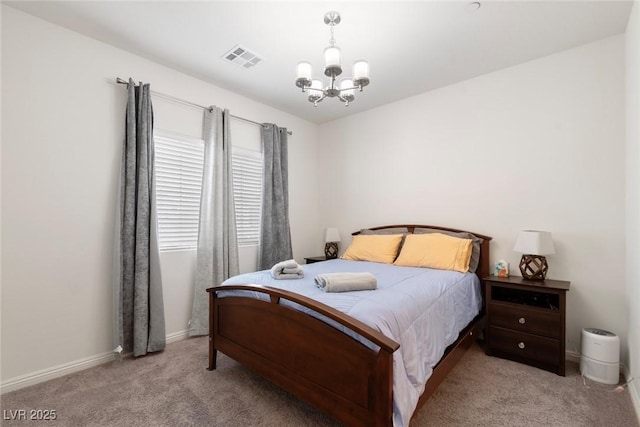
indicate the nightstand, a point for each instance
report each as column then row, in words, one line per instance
column 313, row 259
column 526, row 321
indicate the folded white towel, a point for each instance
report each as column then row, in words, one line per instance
column 290, row 263
column 296, row 270
column 344, row 282
column 288, row 269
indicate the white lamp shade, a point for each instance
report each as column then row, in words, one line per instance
column 332, row 235
column 533, row 242
column 346, row 83
column 360, row 70
column 304, row 70
column 316, row 84
column 332, row 57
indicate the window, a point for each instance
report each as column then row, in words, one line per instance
column 179, row 163
column 247, row 193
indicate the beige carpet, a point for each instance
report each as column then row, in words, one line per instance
column 174, row 389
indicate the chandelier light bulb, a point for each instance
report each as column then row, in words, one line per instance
column 361, row 73
column 304, row 75
column 316, row 92
column 332, row 61
column 347, row 92
column 346, row 87
column 360, row 70
column 304, row 71
column 316, row 84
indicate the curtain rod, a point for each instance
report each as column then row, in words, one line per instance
column 190, row 104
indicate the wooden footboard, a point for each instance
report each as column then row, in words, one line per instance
column 304, row 355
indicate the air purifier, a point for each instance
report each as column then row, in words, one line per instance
column 600, row 358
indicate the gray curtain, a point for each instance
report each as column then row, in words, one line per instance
column 217, row 257
column 138, row 301
column 275, row 241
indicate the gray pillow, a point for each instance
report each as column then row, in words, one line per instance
column 397, row 230
column 475, row 243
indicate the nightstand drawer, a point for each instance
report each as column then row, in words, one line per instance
column 524, row 346
column 523, row 319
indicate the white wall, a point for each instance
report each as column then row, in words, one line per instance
column 62, row 129
column 632, row 39
column 535, row 146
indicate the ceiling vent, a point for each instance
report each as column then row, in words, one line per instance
column 242, row 57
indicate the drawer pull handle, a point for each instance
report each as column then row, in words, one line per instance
column 522, row 320
column 521, row 345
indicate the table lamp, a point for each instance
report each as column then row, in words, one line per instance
column 331, row 238
column 534, row 245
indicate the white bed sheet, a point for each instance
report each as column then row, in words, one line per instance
column 422, row 309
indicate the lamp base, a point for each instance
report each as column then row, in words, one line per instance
column 533, row 267
column 331, row 250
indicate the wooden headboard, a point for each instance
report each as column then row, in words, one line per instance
column 483, row 267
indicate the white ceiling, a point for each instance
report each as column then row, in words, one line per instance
column 412, row 47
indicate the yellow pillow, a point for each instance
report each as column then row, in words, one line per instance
column 376, row 248
column 436, row 250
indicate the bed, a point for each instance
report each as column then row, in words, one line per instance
column 342, row 363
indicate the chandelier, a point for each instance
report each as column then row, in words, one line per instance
column 332, row 69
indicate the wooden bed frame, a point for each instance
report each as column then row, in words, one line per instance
column 315, row 361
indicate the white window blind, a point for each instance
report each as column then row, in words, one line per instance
column 179, row 162
column 247, row 193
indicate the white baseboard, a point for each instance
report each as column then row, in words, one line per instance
column 634, row 392
column 572, row 356
column 43, row 375
column 635, row 399
column 55, row 372
column 177, row 336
